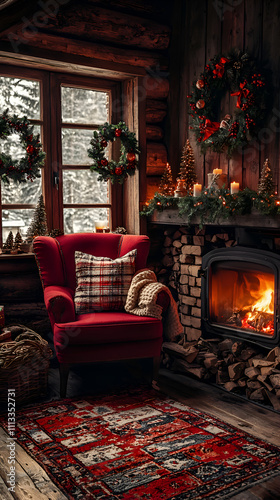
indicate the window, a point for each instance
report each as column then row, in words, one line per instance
column 65, row 110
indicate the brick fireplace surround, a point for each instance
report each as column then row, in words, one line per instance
column 239, row 366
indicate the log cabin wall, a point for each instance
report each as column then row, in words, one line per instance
column 115, row 37
column 214, row 27
column 132, row 36
column 168, row 44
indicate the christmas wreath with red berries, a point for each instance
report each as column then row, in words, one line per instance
column 236, row 73
column 116, row 171
column 27, row 167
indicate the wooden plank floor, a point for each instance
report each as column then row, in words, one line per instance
column 34, row 484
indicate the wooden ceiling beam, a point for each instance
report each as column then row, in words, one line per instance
column 156, row 9
column 15, row 12
column 69, row 63
column 103, row 25
column 111, row 54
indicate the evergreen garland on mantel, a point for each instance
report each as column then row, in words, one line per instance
column 215, row 205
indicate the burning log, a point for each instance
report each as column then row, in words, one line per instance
column 235, row 319
column 260, row 321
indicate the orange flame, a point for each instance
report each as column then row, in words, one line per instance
column 264, row 304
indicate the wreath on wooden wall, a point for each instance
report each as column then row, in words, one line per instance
column 27, row 167
column 113, row 170
column 238, row 74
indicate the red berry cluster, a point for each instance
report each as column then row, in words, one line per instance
column 249, row 122
column 257, row 80
column 233, row 131
column 250, row 102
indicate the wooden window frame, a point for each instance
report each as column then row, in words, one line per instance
column 50, row 83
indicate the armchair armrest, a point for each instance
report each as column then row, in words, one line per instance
column 60, row 304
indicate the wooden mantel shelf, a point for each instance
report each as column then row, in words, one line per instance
column 254, row 220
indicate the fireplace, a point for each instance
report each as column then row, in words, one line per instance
column 240, row 299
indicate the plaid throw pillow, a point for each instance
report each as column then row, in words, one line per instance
column 102, row 283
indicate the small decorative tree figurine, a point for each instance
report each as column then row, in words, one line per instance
column 266, row 180
column 18, row 240
column 187, row 176
column 38, row 226
column 166, row 187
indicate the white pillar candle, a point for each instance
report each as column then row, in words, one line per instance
column 217, row 171
column 234, row 187
column 197, row 189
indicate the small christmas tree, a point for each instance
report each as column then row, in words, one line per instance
column 187, row 172
column 266, row 179
column 38, row 226
column 9, row 243
column 18, row 240
column 166, row 187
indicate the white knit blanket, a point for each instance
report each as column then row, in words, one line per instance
column 141, row 300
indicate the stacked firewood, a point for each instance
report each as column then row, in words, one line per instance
column 235, row 365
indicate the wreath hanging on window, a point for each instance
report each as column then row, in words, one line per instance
column 238, row 74
column 113, row 170
column 27, row 167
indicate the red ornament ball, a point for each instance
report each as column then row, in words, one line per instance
column 118, row 170
column 30, row 149
column 199, row 84
column 200, row 104
column 130, row 156
column 103, row 143
column 104, row 162
column 118, row 132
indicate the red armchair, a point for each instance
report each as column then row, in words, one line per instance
column 96, row 336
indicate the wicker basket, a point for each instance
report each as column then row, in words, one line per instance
column 24, row 365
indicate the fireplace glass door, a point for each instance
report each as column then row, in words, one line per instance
column 241, row 297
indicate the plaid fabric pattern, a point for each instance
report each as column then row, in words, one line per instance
column 102, row 283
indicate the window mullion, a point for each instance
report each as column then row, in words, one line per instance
column 56, row 153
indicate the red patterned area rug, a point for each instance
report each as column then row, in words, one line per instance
column 141, row 445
